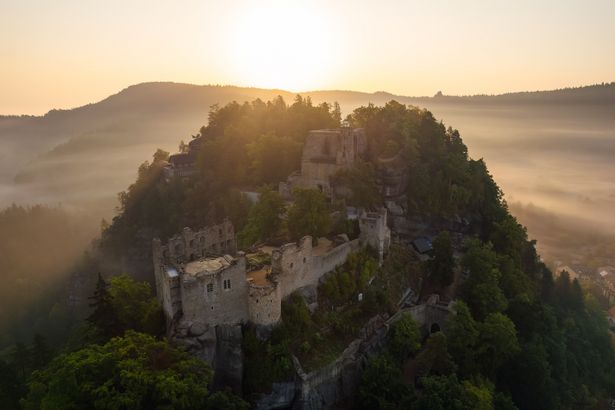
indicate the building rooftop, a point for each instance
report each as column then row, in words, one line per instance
column 208, row 266
column 422, row 245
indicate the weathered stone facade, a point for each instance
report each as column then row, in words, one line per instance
column 325, row 152
column 375, row 232
column 174, row 288
column 200, row 284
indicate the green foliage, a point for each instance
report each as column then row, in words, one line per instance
column 382, row 387
column 435, row 359
column 462, row 337
column 442, row 265
column 265, row 218
column 11, row 386
column 497, row 342
column 481, row 291
column 309, row 214
column 236, row 207
column 361, row 182
column 342, row 286
column 134, row 371
column 264, row 363
column 405, row 338
column 124, row 304
column 273, row 157
column 447, row 393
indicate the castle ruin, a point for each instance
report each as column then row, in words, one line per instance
column 201, row 281
column 326, row 152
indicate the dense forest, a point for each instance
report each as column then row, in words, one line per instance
column 519, row 338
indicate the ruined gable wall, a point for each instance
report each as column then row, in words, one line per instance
column 321, row 144
column 212, row 240
column 222, row 306
column 291, row 265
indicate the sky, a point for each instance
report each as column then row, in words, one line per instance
column 67, row 53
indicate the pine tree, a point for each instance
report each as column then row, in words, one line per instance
column 40, row 353
column 103, row 315
column 21, row 359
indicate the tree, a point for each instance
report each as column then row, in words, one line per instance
column 462, row 337
column 381, row 386
column 481, row 291
column 103, row 316
column 20, row 357
column 442, row 265
column 446, row 393
column 122, row 305
column 40, row 353
column 236, row 207
column 309, row 214
column 405, row 338
column 134, row 306
column 11, row 387
column 497, row 342
column 273, row 158
column 134, row 371
column 435, row 359
column 360, row 180
column 265, row 218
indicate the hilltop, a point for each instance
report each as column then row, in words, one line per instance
column 57, row 156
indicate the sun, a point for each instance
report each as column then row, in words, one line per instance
column 284, row 45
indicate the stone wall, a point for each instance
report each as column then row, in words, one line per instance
column 337, row 256
column 375, row 232
column 324, row 153
column 290, row 264
column 264, row 304
column 295, row 265
column 222, row 305
column 212, row 240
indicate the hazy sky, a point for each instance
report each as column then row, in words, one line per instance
column 66, row 53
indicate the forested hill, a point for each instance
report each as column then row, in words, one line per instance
column 520, row 338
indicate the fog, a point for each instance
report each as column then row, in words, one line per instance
column 553, row 164
column 553, row 160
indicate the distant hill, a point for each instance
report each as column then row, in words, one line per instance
column 84, row 156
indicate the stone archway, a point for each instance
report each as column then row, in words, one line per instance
column 434, row 328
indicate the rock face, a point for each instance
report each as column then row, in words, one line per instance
column 229, row 357
column 281, row 397
column 220, row 346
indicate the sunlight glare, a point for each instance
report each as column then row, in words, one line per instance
column 282, row 45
